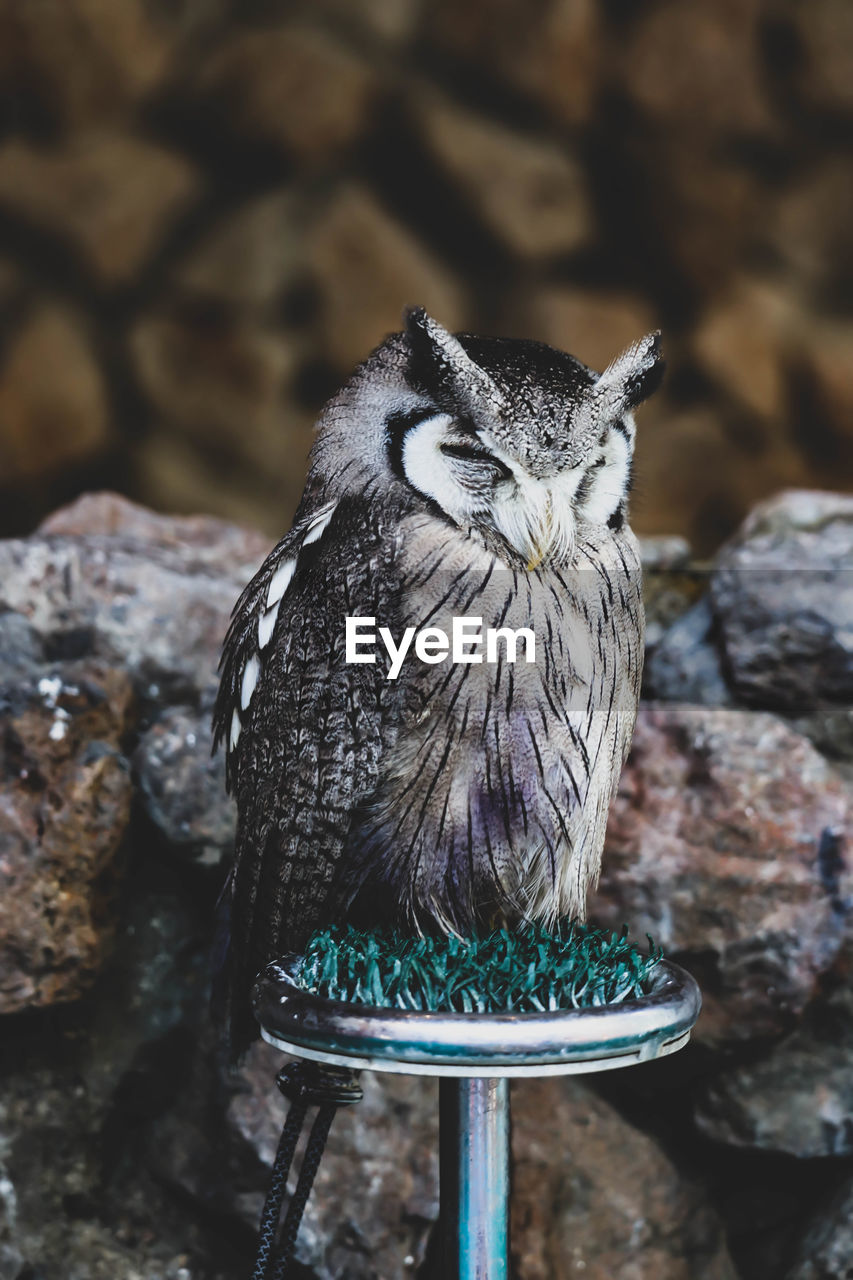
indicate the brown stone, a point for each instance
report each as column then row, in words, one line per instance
column 696, row 70
column 705, row 207
column 824, row 30
column 725, row 476
column 64, row 809
column 594, row 1196
column 113, row 197
column 249, row 259
column 809, row 227
column 174, row 474
column 91, row 59
column 549, row 51
column 712, row 848
column 671, row 445
column 591, row 324
column 292, row 86
column 391, row 22
column 223, row 383
column 53, row 409
column 828, row 358
column 367, row 268
column 530, row 193
column 744, row 341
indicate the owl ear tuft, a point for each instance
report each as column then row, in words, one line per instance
column 632, row 377
column 440, row 365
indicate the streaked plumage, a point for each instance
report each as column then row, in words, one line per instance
column 450, row 476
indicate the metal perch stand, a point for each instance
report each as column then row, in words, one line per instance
column 474, row 1055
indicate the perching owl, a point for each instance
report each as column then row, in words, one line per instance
column 451, row 477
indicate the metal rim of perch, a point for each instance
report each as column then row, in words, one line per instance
column 559, row 1042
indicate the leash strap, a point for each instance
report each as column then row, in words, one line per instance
column 305, row 1084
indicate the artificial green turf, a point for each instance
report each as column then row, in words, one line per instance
column 527, row 971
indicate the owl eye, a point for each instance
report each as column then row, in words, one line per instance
column 472, row 453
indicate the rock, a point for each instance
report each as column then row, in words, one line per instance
column 47, row 424
column 672, row 443
column 703, row 208
column 64, row 810
column 90, row 60
column 827, row 1246
column 665, row 553
column 376, row 1193
column 798, row 1099
column 593, row 1195
column 808, row 228
column 782, row 597
column 697, row 71
column 684, row 662
column 829, row 369
column 714, row 847
column 248, row 260
column 152, row 594
column 80, row 1088
column 292, row 86
column 393, row 21
column 224, row 383
column 174, row 473
column 530, row 193
column 183, row 787
column 367, row 267
column 375, row 1199
column 550, row 51
column 112, row 197
column 670, row 584
column 592, row 324
column 823, row 32
column 744, row 343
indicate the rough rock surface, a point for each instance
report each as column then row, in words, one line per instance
column 125, row 1156
column 684, row 664
column 377, row 1187
column 376, row 1199
column 182, row 787
column 798, row 1098
column 717, row 846
column 827, row 1246
column 782, row 595
column 64, row 810
column 149, row 593
column 577, row 1210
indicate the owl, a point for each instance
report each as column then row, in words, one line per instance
column 461, row 489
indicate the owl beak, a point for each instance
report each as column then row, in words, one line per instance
column 542, row 539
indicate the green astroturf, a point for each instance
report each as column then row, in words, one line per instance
column 527, row 971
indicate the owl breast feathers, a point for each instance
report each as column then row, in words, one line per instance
column 455, row 786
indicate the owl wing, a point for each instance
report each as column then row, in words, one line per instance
column 304, row 731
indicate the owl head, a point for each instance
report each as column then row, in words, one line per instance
column 508, row 439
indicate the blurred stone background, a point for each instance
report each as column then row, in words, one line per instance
column 211, row 209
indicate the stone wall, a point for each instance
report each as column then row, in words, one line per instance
column 123, row 1153
column 210, row 210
